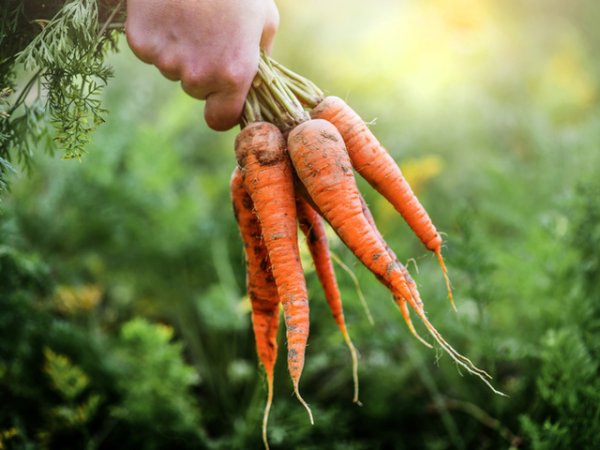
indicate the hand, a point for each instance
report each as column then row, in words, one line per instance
column 212, row 46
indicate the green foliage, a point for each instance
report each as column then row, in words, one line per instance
column 66, row 61
column 568, row 385
column 568, row 382
column 130, row 391
column 73, row 411
column 67, row 379
column 69, row 52
column 153, row 381
column 23, row 279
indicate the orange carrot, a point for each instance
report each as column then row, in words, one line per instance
column 376, row 165
column 322, row 164
column 260, row 286
column 311, row 225
column 267, row 175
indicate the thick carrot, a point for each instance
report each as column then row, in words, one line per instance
column 375, row 164
column 260, row 286
column 311, row 225
column 322, row 164
column 268, row 178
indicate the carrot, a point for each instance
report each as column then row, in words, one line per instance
column 260, row 286
column 268, row 178
column 311, row 225
column 375, row 164
column 322, row 163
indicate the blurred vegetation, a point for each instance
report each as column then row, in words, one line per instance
column 123, row 321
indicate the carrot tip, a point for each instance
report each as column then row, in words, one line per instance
column 406, row 315
column 301, row 400
column 354, row 355
column 438, row 253
column 267, row 410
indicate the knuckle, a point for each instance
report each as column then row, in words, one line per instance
column 167, row 63
column 139, row 45
column 193, row 77
column 196, row 82
column 235, row 76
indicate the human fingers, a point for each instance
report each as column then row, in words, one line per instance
column 224, row 105
column 225, row 90
column 222, row 111
column 142, row 42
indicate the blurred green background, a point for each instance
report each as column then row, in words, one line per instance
column 123, row 318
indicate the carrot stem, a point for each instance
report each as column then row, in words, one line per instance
column 307, row 91
column 277, row 98
column 251, row 111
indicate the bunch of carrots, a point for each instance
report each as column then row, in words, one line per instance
column 297, row 152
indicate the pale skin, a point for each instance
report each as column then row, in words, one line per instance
column 211, row 46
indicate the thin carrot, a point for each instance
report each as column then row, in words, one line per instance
column 322, row 164
column 267, row 175
column 311, row 225
column 260, row 286
column 376, row 165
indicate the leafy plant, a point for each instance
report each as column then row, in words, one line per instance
column 568, row 409
column 64, row 383
column 66, row 61
column 153, row 380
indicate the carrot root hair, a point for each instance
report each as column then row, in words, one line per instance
column 267, row 410
column 301, row 400
column 406, row 315
column 359, row 291
column 459, row 359
column 438, row 253
column 354, row 355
